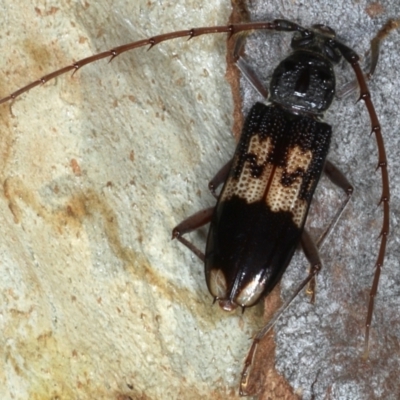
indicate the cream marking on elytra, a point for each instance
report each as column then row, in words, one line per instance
column 247, row 297
column 247, row 187
column 251, row 293
column 270, row 185
column 218, row 286
column 281, row 197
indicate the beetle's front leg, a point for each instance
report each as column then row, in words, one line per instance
column 247, row 71
column 350, row 87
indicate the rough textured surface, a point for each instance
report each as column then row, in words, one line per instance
column 96, row 170
column 96, row 301
column 319, row 348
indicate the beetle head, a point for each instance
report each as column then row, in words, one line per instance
column 319, row 39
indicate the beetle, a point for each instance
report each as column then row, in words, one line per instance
column 268, row 185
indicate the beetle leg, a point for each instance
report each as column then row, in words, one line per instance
column 339, row 179
column 390, row 25
column 190, row 224
column 247, row 71
column 220, row 177
column 350, row 87
column 310, row 249
column 202, row 217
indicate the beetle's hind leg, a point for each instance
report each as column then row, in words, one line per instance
column 311, row 251
column 339, row 179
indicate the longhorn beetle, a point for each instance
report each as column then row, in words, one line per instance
column 268, row 185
